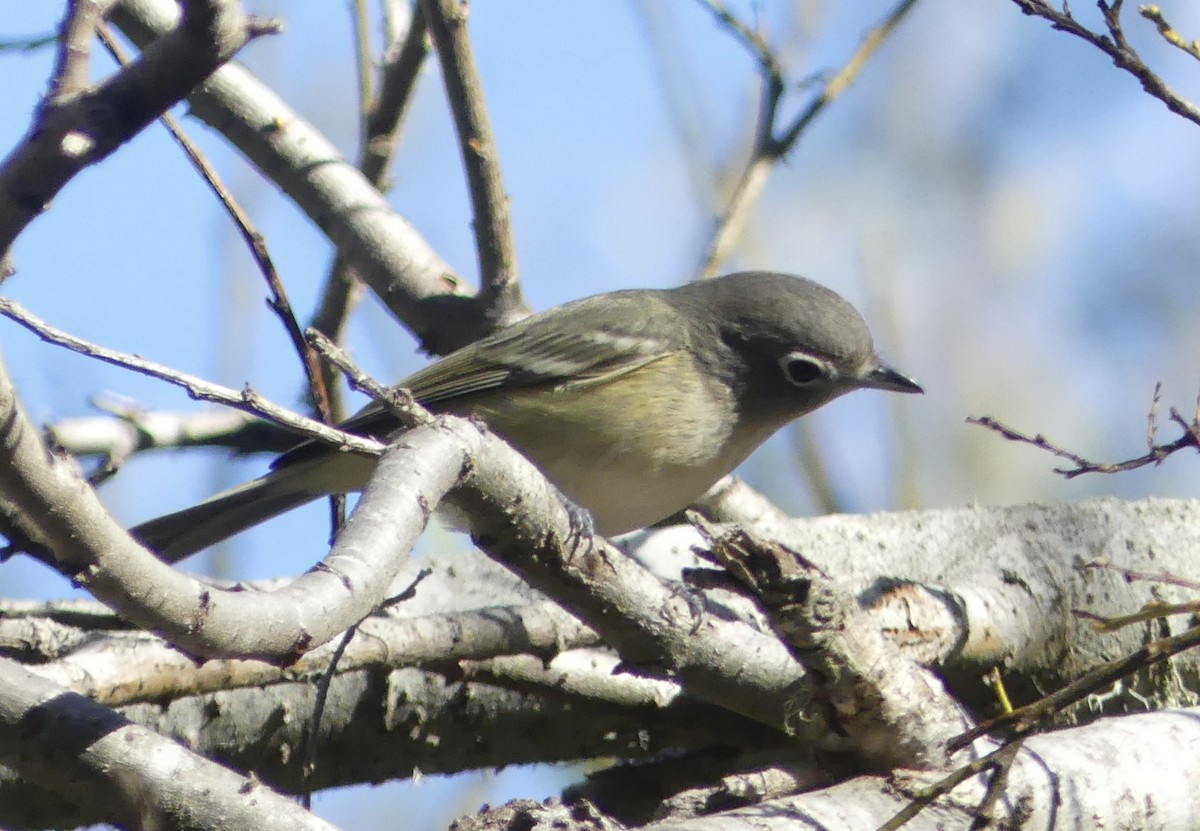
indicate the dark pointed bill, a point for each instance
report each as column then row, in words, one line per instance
column 885, row 378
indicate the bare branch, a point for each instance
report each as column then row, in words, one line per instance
column 652, row 625
column 400, row 725
column 254, row 240
column 70, row 76
column 1131, row 575
column 401, row 69
column 1114, row 44
column 408, row 276
column 1153, row 456
column 769, row 146
column 48, row 502
column 396, row 399
column 362, row 60
column 69, row 135
column 1025, row 720
column 500, row 291
column 130, row 775
column 381, row 124
column 133, row 429
column 754, row 42
column 893, row 714
column 246, row 400
column 1154, row 15
column 999, row 760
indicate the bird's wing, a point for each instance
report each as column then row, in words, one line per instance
column 579, row 343
column 531, row 359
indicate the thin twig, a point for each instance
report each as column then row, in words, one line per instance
column 396, row 399
column 499, row 291
column 28, row 44
column 1025, row 719
column 1154, row 456
column 1153, row 610
column 326, row 680
column 1114, row 44
column 71, row 135
column 999, row 761
column 1154, row 15
column 841, row 80
column 246, row 400
column 1130, row 575
column 401, row 68
column 251, row 236
column 71, row 62
column 754, row 42
column 769, row 146
column 362, row 63
column 1152, row 417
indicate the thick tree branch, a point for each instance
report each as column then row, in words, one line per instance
column 126, row 774
column 383, row 726
column 48, row 501
column 69, row 133
column 1107, row 775
column 129, row 668
column 893, row 713
column 966, row 590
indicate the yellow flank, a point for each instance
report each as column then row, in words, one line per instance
column 611, row 447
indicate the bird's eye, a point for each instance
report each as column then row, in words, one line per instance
column 801, row 370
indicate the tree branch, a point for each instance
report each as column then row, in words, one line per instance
column 126, row 774
column 255, row 243
column 1114, row 44
column 1154, row 455
column 769, row 145
column 407, row 275
column 500, row 292
column 69, row 134
column 401, row 68
column 246, row 400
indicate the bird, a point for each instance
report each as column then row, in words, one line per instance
column 632, row 403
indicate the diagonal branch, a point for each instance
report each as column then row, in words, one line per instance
column 381, row 125
column 70, row 76
column 1114, row 44
column 1154, row 15
column 254, row 241
column 1154, row 454
column 771, row 142
column 68, row 135
column 129, row 775
column 400, row 266
column 246, row 400
column 500, row 293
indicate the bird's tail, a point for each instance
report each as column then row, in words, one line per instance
column 193, row 529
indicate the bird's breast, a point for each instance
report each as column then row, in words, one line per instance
column 632, row 448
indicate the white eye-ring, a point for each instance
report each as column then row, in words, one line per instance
column 801, row 369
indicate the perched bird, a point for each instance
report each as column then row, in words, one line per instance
column 633, row 403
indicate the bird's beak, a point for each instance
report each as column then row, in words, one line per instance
column 885, row 378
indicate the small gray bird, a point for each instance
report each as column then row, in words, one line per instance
column 632, row 403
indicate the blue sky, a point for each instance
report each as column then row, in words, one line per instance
column 1014, row 216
